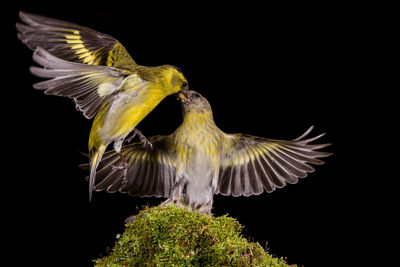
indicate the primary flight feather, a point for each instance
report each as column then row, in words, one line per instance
column 97, row 72
column 199, row 160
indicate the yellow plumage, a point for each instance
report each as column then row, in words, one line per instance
column 188, row 166
column 97, row 72
column 199, row 160
column 197, row 128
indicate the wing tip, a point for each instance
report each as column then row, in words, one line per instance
column 304, row 134
column 39, row 86
column 22, row 14
column 44, row 58
column 326, row 154
column 38, row 55
column 26, row 17
column 35, row 70
column 30, row 18
column 41, row 51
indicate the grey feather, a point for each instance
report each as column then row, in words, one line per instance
column 77, row 81
column 55, row 36
column 264, row 176
column 145, row 176
column 274, row 167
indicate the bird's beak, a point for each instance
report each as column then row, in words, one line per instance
column 182, row 97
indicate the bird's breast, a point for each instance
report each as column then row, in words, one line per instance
column 198, row 149
column 125, row 111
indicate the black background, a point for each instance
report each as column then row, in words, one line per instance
column 267, row 71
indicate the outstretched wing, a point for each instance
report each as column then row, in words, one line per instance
column 72, row 42
column 89, row 86
column 251, row 164
column 150, row 171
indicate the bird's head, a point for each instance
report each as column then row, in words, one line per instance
column 175, row 79
column 193, row 102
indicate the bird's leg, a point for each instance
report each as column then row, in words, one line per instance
column 166, row 202
column 206, row 208
column 124, row 165
column 143, row 138
column 177, row 194
column 129, row 139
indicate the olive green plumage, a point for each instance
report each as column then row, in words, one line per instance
column 97, row 72
column 199, row 160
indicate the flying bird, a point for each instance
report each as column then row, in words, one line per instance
column 99, row 75
column 199, row 160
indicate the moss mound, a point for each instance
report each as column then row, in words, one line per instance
column 172, row 236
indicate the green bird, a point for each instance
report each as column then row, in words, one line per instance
column 199, row 160
column 98, row 74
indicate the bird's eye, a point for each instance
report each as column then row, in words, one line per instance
column 196, row 95
column 184, row 85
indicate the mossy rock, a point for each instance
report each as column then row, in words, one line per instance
column 172, row 236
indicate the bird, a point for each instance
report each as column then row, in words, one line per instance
column 99, row 75
column 199, row 160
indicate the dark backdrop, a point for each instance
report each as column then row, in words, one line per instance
column 267, row 71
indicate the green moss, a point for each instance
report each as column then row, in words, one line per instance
column 172, row 236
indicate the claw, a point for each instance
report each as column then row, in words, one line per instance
column 119, row 167
column 148, row 143
column 123, row 166
column 129, row 139
column 143, row 139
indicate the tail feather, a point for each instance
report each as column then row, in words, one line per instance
column 94, row 163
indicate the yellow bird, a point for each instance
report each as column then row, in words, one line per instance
column 100, row 76
column 199, row 160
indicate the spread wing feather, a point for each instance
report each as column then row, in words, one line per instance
column 150, row 172
column 251, row 164
column 89, row 86
column 72, row 42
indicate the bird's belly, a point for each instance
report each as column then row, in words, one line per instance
column 198, row 193
column 197, row 169
column 126, row 121
column 198, row 181
column 123, row 119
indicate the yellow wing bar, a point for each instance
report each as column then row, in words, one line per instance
column 72, row 42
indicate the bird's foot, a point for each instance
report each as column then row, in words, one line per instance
column 123, row 166
column 143, row 138
column 166, row 202
column 119, row 167
column 129, row 139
